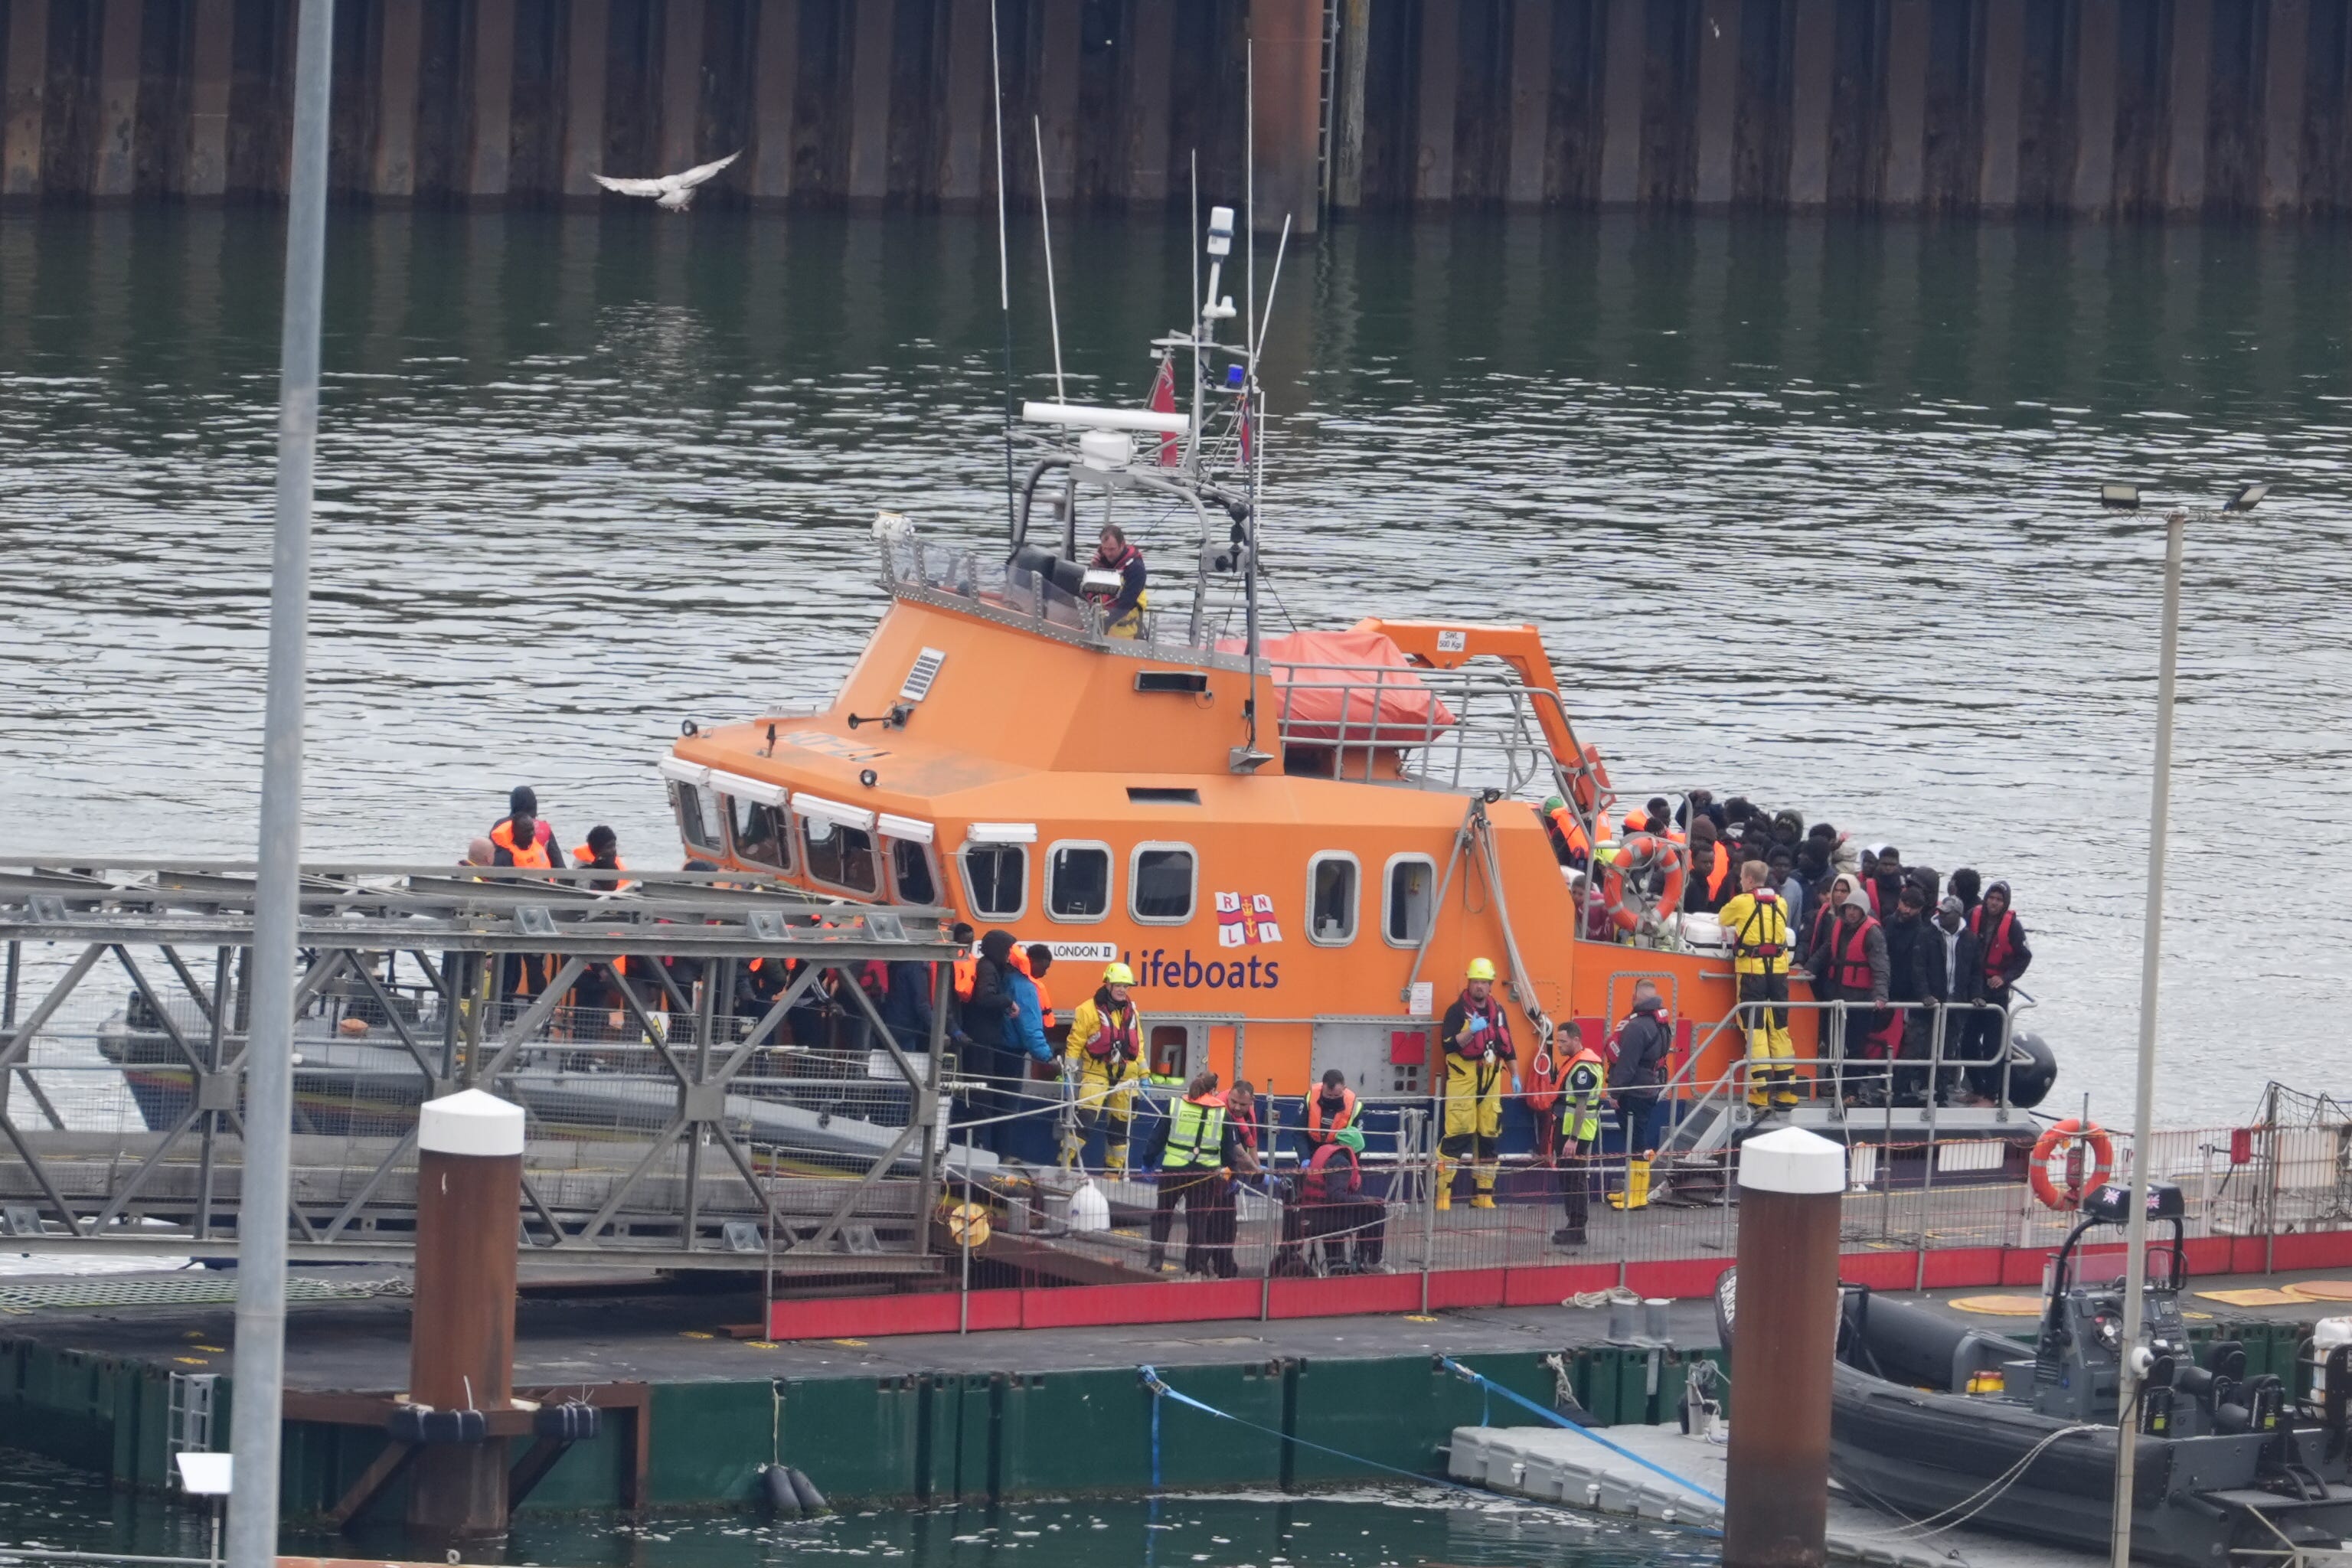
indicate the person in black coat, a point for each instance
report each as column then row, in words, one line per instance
column 1913, row 974
column 1961, row 961
column 994, row 1056
column 907, row 1008
column 1639, row 1072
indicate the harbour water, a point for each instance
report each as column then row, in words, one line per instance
column 43, row 1504
column 1803, row 508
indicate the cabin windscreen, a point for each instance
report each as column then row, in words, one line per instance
column 1078, row 881
column 996, row 880
column 697, row 816
column 759, row 833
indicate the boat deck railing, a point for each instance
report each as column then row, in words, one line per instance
column 1183, row 620
column 1476, row 727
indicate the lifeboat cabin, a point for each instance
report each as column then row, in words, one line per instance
column 1297, row 842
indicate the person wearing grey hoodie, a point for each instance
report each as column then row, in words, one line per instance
column 1850, row 965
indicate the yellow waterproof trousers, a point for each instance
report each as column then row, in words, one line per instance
column 1107, row 1101
column 1474, row 1117
column 1771, row 1055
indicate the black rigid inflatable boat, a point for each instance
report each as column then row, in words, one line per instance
column 1936, row 1421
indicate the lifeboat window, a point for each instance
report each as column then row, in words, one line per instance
column 1078, row 881
column 996, row 877
column 1331, row 899
column 760, row 833
column 840, row 856
column 1411, row 899
column 911, row 878
column 697, row 816
column 1161, row 883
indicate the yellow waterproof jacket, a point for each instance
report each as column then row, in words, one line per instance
column 1758, row 925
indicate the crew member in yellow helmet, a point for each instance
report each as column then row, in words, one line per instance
column 1480, row 1064
column 1103, row 1051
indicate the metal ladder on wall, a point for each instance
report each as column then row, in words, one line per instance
column 188, row 1413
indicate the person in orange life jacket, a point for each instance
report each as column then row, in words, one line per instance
column 1028, row 1013
column 523, row 801
column 959, row 986
column 1194, row 1153
column 1914, row 974
column 1886, row 881
column 2001, row 940
column 519, row 843
column 1122, row 613
column 994, row 1056
column 1330, row 1107
column 1644, row 1042
column 1034, row 960
column 1703, row 889
column 1480, row 1066
column 1570, row 845
column 600, row 853
column 1344, row 1224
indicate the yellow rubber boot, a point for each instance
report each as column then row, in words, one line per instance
column 1483, row 1201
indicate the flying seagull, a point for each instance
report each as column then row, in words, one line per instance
column 673, row 193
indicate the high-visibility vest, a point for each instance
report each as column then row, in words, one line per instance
column 1196, row 1133
column 1345, row 1116
column 1586, row 1076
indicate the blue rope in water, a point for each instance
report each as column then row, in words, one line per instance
column 1556, row 1419
column 1159, row 1389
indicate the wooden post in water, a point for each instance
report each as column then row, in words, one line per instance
column 1784, row 1340
column 461, row 1333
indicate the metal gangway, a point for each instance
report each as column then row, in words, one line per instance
column 705, row 1083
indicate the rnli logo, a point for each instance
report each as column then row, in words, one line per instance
column 1163, row 970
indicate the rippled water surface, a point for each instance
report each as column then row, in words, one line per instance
column 1801, row 507
column 42, row 1504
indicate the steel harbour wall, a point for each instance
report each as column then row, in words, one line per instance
column 2218, row 108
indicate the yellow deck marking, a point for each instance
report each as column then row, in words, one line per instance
column 2260, row 1295
column 1999, row 1306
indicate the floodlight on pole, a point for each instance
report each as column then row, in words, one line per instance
column 2118, row 496
column 2248, row 496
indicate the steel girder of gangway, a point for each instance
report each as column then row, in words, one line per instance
column 707, row 1083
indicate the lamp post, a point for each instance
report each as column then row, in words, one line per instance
column 2126, row 497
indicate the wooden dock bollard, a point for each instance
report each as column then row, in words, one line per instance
column 461, row 1331
column 1784, row 1342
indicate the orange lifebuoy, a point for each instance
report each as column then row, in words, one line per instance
column 1624, row 885
column 2076, row 1135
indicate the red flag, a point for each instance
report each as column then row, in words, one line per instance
column 1249, row 423
column 1163, row 401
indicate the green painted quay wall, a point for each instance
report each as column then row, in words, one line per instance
column 925, row 1438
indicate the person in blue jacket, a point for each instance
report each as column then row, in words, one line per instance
column 1027, row 1025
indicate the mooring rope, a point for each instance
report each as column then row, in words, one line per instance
column 1556, row 1419
column 1159, row 1390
